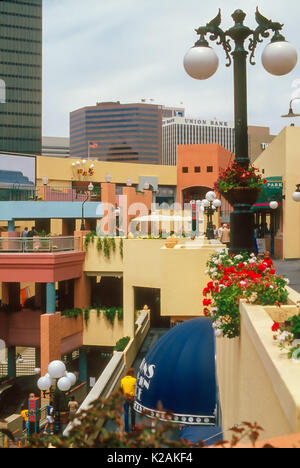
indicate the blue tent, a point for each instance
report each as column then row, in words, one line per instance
column 179, row 375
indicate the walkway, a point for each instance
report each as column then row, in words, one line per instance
column 291, row 270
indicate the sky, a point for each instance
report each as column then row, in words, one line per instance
column 128, row 50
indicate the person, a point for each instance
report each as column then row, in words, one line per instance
column 267, row 259
column 128, row 384
column 24, row 414
column 50, row 419
column 24, row 236
column 215, row 231
column 225, row 236
column 220, row 231
column 73, row 406
column 25, row 232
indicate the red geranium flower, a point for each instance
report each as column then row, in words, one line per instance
column 275, row 326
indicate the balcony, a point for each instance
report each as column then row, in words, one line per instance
column 16, row 192
column 40, row 259
column 39, row 244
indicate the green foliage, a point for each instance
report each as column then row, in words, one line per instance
column 71, row 313
column 106, row 248
column 121, row 247
column 99, row 244
column 235, row 277
column 111, row 312
column 295, row 325
column 89, row 238
column 122, row 343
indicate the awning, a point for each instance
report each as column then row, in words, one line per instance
column 271, row 191
column 179, row 375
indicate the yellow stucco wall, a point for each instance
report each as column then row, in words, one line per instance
column 177, row 272
column 98, row 331
column 257, row 382
column 60, row 171
column 282, row 158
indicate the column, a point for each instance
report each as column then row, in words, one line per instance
column 83, row 367
column 50, row 298
column 11, row 362
column 11, row 226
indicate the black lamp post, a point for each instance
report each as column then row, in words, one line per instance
column 90, row 189
column 278, row 58
column 210, row 204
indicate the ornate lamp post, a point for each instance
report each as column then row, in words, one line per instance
column 200, row 62
column 210, row 204
column 90, row 189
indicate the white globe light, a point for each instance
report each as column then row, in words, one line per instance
column 108, row 178
column 90, row 187
column 279, row 58
column 44, row 383
column 205, row 203
column 56, row 369
column 64, row 384
column 37, row 370
column 273, row 205
column 296, row 196
column 210, row 196
column 72, row 377
column 201, row 62
column 217, row 203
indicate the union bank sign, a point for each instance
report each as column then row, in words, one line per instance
column 202, row 122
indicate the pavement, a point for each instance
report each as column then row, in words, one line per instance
column 291, row 270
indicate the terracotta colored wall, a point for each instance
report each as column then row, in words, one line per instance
column 129, row 198
column 202, row 156
column 21, row 328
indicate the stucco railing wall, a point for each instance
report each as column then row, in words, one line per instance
column 257, row 381
column 98, row 331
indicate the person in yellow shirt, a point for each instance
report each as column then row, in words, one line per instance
column 24, row 414
column 128, row 384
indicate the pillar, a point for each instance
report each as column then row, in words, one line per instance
column 11, row 226
column 11, row 362
column 50, row 298
column 82, row 292
column 50, row 340
column 83, row 367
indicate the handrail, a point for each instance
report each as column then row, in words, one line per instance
column 112, row 373
column 39, row 244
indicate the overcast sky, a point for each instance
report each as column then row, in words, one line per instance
column 128, row 50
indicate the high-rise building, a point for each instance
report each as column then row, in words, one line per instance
column 187, row 131
column 179, row 130
column 111, row 131
column 57, row 147
column 21, row 76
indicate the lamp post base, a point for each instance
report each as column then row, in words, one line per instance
column 241, row 229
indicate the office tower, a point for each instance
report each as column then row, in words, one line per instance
column 189, row 131
column 20, row 76
column 57, row 147
column 111, row 131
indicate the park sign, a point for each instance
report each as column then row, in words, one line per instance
column 271, row 191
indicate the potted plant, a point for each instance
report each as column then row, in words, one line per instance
column 238, row 184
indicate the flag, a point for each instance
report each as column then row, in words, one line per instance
column 92, row 144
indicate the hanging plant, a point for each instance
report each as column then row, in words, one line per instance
column 121, row 247
column 99, row 244
column 71, row 313
column 113, row 244
column 120, row 314
column 106, row 248
column 110, row 314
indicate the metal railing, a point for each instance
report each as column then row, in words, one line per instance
column 39, row 244
column 17, row 192
column 22, row 369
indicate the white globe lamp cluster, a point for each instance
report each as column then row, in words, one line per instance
column 278, row 58
column 57, row 371
column 296, row 194
column 210, row 200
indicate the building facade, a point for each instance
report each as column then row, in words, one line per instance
column 111, row 131
column 181, row 130
column 57, row 147
column 21, row 76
